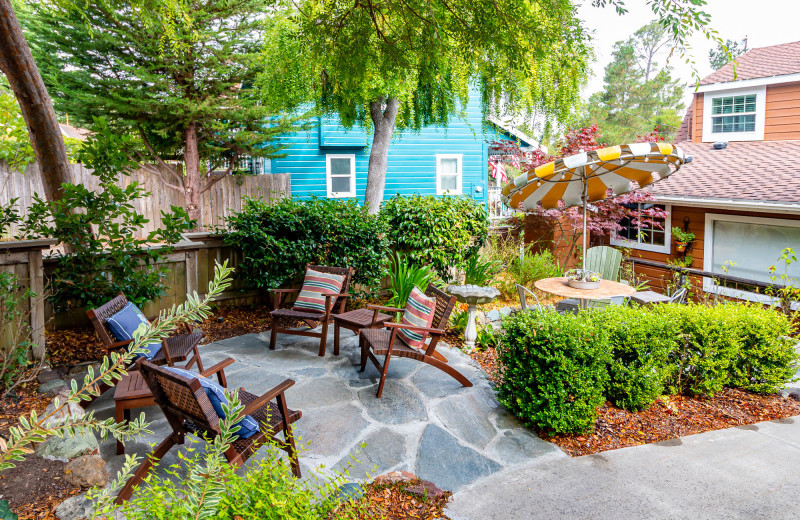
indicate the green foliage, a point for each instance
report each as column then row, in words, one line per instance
column 279, row 238
column 486, row 338
column 15, row 344
column 639, row 95
column 506, row 251
column 15, row 145
column 724, row 53
column 767, row 359
column 481, row 270
column 5, row 511
column 682, row 236
column 458, row 321
column 404, row 275
column 442, row 232
column 553, row 370
column 99, row 231
column 787, row 293
column 640, row 345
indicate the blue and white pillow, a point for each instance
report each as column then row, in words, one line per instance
column 216, row 394
column 125, row 322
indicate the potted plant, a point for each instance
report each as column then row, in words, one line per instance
column 583, row 279
column 682, row 238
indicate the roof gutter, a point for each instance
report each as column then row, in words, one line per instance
column 748, row 83
column 732, row 204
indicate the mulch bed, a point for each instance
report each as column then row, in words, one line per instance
column 396, row 501
column 668, row 418
column 35, row 487
column 22, row 402
column 228, row 321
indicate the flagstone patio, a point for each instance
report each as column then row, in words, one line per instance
column 426, row 422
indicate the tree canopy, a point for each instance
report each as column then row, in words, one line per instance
column 725, row 53
column 639, row 93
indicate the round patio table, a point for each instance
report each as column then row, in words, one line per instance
column 560, row 287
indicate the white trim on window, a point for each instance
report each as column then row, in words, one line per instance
column 351, row 192
column 666, row 248
column 439, row 173
column 761, row 106
column 708, row 253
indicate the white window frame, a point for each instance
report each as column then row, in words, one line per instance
column 708, row 122
column 666, row 248
column 460, row 179
column 708, row 252
column 328, row 176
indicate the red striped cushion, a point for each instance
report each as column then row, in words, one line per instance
column 315, row 286
column 419, row 313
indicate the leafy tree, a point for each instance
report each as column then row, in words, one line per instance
column 724, row 54
column 188, row 98
column 15, row 146
column 638, row 94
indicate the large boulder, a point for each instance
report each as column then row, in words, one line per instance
column 87, row 471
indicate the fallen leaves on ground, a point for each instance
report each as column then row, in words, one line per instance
column 35, row 487
column 393, row 502
column 230, row 321
column 668, row 418
column 68, row 347
column 22, row 402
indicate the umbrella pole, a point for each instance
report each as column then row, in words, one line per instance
column 585, row 204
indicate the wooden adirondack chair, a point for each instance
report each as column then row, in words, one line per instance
column 188, row 410
column 281, row 318
column 604, row 260
column 385, row 342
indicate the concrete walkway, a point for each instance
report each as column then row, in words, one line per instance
column 426, row 422
column 749, row 472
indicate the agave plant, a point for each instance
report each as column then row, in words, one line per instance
column 404, row 276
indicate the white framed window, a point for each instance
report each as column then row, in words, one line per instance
column 734, row 115
column 646, row 236
column 449, row 174
column 746, row 247
column 340, row 172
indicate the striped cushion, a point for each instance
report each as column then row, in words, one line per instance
column 315, row 286
column 419, row 313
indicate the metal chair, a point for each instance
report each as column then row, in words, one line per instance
column 523, row 303
column 679, row 296
column 612, row 300
column 603, row 260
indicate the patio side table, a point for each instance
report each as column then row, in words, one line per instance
column 355, row 321
column 649, row 297
column 131, row 392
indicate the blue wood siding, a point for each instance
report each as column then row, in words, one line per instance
column 411, row 166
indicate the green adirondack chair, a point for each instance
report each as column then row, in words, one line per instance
column 604, row 260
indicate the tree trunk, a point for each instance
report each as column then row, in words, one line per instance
column 383, row 119
column 191, row 156
column 16, row 62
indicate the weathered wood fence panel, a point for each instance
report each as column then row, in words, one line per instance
column 223, row 199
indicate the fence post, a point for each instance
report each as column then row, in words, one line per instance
column 36, row 285
column 191, row 272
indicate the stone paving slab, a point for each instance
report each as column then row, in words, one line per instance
column 426, row 422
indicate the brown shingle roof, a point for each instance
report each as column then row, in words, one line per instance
column 759, row 171
column 684, row 132
column 763, row 62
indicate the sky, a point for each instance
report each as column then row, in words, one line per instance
column 764, row 22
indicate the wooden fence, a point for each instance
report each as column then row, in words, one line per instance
column 222, row 200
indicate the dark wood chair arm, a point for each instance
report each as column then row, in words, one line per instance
column 119, row 344
column 284, row 291
column 218, row 369
column 438, row 332
column 252, row 406
column 384, row 309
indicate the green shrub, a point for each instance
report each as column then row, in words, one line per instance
column 100, row 231
column 442, row 232
column 708, row 345
column 553, row 370
column 524, row 271
column 481, row 270
column 641, row 343
column 403, row 277
column 279, row 238
column 15, row 343
column 767, row 360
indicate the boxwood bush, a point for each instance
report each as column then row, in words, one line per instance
column 438, row 231
column 278, row 239
column 557, row 369
column 553, row 370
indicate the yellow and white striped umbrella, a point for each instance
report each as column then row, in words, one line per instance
column 593, row 174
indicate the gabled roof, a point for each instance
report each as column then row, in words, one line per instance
column 512, row 131
column 766, row 172
column 763, row 62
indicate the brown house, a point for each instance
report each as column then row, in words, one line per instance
column 740, row 195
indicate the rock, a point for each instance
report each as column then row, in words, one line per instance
column 75, row 508
column 399, row 403
column 795, row 396
column 466, row 416
column 69, row 447
column 480, row 316
column 395, row 476
column 52, row 386
column 349, row 491
column 87, row 471
column 505, row 311
column 426, row 489
column 47, row 375
column 383, row 449
column 329, row 430
column 493, row 315
column 464, row 465
column 73, row 410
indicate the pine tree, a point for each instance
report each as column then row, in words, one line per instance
column 180, row 79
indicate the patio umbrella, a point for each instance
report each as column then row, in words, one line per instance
column 589, row 176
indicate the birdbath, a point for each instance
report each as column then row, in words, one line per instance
column 472, row 295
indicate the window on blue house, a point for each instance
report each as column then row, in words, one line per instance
column 448, row 174
column 340, row 171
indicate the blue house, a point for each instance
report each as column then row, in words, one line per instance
column 331, row 161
